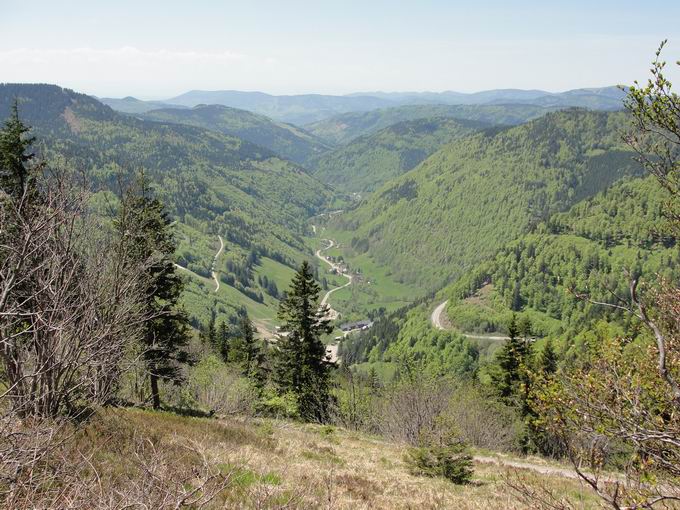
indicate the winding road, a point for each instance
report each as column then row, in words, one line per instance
column 436, row 317
column 212, row 269
column 324, row 301
column 436, row 320
column 332, row 349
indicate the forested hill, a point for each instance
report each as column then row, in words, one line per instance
column 370, row 161
column 472, row 196
column 222, row 183
column 587, row 250
column 344, row 128
column 131, row 104
column 286, row 140
column 214, row 184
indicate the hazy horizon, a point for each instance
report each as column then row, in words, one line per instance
column 354, row 93
column 158, row 50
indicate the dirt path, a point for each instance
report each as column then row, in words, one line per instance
column 436, row 317
column 212, row 269
column 437, row 321
column 517, row 464
column 544, row 469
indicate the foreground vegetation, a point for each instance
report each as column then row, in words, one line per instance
column 162, row 460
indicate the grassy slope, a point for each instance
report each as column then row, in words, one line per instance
column 433, row 223
column 367, row 162
column 288, row 465
column 288, row 141
column 344, row 128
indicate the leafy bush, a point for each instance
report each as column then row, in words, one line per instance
column 278, row 405
column 215, row 386
column 452, row 462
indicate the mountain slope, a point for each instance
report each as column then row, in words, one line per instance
column 583, row 249
column 286, row 140
column 344, row 128
column 369, row 161
column 296, row 109
column 212, row 183
column 473, row 195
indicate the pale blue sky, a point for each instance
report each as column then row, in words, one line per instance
column 157, row 49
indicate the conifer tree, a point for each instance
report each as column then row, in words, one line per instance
column 209, row 333
column 301, row 363
column 246, row 351
column 145, row 226
column 548, row 361
column 511, row 358
column 525, row 328
column 223, row 338
column 15, row 155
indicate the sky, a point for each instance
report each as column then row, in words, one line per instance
column 158, row 49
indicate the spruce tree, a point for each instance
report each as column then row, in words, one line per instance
column 209, row 334
column 145, row 230
column 511, row 359
column 245, row 350
column 301, row 364
column 223, row 339
column 548, row 361
column 15, row 155
column 525, row 328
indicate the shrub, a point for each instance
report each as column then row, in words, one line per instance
column 217, row 387
column 452, row 462
column 278, row 405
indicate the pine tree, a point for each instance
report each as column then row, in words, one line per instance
column 301, row 364
column 15, row 156
column 548, row 362
column 510, row 358
column 525, row 328
column 223, row 339
column 516, row 302
column 209, row 334
column 145, row 229
column 246, row 351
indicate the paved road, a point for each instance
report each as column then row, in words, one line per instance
column 212, row 269
column 324, row 300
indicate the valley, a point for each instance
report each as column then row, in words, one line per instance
column 372, row 300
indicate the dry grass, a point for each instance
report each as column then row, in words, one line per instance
column 269, row 464
column 481, row 297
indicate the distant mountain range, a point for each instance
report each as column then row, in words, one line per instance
column 286, row 140
column 133, row 105
column 309, row 108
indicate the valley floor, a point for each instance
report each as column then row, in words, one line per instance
column 280, row 464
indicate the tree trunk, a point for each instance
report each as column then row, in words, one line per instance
column 154, row 391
